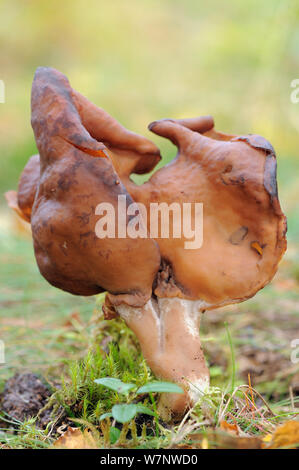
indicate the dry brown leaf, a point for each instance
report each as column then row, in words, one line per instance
column 74, row 438
column 230, row 428
column 225, row 440
column 285, row 436
column 182, row 446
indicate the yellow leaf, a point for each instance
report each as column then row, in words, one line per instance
column 205, row 443
column 74, row 438
column 285, row 436
column 267, row 438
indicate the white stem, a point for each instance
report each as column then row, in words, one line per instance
column 168, row 332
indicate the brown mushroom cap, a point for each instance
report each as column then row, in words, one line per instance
column 130, row 152
column 76, row 175
column 87, row 157
column 28, row 184
column 22, row 200
column 243, row 225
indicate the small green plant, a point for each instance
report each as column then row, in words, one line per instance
column 123, row 413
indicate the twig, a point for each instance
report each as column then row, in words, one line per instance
column 292, row 398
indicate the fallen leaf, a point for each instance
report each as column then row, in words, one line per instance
column 285, row 436
column 230, row 428
column 224, row 440
column 267, row 438
column 205, row 443
column 74, row 438
column 182, row 446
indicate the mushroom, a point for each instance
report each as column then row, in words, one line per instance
column 76, row 173
column 22, row 201
column 243, row 240
column 158, row 285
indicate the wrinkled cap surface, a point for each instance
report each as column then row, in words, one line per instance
column 87, row 157
column 22, row 200
column 76, row 174
column 234, row 177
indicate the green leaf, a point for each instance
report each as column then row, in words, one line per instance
column 145, row 410
column 114, row 434
column 124, row 413
column 158, row 386
column 105, row 415
column 115, row 384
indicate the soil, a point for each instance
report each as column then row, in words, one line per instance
column 24, row 396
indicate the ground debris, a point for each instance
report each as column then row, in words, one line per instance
column 74, row 438
column 261, row 363
column 24, row 397
column 285, row 436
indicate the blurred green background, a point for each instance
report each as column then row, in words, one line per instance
column 143, row 60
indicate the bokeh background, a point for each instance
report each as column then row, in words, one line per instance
column 143, row 60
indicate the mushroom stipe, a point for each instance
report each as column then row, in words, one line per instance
column 156, row 285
